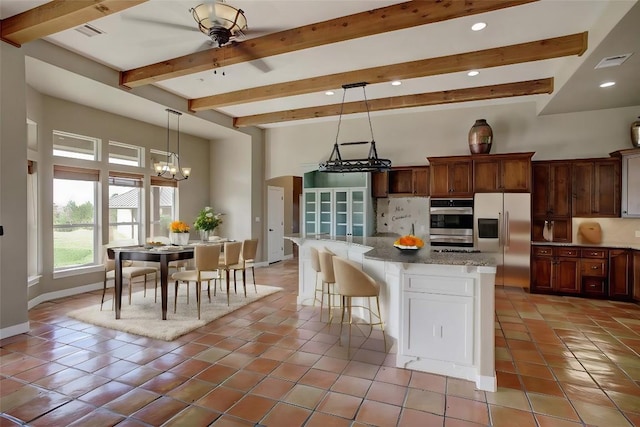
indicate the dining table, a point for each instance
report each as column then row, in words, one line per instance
column 163, row 255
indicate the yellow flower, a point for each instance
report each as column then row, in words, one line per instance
column 179, row 227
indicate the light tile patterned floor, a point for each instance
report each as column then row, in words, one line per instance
column 561, row 362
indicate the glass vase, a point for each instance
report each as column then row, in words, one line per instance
column 204, row 235
column 179, row 239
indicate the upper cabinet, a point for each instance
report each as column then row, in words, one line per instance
column 502, row 173
column 401, row 181
column 630, row 179
column 551, row 196
column 451, row 176
column 596, row 188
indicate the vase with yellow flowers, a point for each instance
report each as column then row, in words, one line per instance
column 179, row 233
column 207, row 221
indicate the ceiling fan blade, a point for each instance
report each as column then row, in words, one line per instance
column 257, row 62
column 160, row 22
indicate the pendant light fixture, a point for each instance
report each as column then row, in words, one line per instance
column 370, row 164
column 171, row 169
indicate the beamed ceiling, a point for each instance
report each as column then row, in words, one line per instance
column 278, row 73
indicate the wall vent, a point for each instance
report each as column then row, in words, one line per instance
column 89, row 30
column 613, row 61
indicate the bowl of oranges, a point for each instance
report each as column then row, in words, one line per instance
column 408, row 243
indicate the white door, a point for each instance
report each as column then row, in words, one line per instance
column 275, row 223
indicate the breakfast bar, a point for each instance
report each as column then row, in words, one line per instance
column 437, row 305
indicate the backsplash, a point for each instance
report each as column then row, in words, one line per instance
column 614, row 230
column 398, row 214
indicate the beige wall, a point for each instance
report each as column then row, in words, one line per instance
column 13, row 186
column 614, row 230
column 408, row 138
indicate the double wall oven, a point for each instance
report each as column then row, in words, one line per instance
column 451, row 222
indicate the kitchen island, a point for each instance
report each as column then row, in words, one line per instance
column 437, row 306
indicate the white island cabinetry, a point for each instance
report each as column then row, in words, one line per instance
column 438, row 307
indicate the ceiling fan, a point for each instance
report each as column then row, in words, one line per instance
column 220, row 21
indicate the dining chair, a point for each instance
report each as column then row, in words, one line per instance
column 352, row 282
column 206, row 261
column 247, row 258
column 130, row 271
column 230, row 261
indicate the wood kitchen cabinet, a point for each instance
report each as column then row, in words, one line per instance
column 450, row 176
column 401, row 181
column 620, row 273
column 596, row 188
column 593, row 272
column 636, row 275
column 502, row 173
column 555, row 270
column 380, row 184
column 551, row 200
column 630, row 196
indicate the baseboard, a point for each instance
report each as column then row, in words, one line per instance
column 64, row 293
column 14, row 330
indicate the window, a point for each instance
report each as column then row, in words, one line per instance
column 163, row 205
column 75, row 146
column 125, row 195
column 74, row 216
column 125, row 154
column 33, row 250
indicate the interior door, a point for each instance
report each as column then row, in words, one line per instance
column 275, row 222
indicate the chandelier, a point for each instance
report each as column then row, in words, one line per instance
column 219, row 20
column 370, row 164
column 170, row 168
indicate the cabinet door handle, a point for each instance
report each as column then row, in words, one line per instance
column 594, row 267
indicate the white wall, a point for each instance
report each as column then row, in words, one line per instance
column 408, row 138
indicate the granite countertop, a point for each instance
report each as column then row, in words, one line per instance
column 614, row 245
column 382, row 249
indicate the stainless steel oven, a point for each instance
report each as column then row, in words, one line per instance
column 451, row 222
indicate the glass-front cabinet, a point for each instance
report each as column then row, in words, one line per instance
column 337, row 212
column 344, row 209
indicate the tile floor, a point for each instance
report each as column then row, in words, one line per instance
column 562, row 362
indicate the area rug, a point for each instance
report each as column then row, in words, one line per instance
column 144, row 317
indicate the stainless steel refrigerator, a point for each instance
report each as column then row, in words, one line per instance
column 502, row 224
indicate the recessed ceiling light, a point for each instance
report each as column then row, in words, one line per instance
column 396, row 83
column 329, row 93
column 478, row 26
column 473, row 73
column 607, row 84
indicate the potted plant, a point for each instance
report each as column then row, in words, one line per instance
column 179, row 232
column 206, row 222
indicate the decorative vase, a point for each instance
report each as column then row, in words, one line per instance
column 635, row 133
column 204, row 235
column 480, row 137
column 179, row 239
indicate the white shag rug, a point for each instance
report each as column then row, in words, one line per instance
column 144, row 317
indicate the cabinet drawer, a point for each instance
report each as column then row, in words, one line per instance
column 542, row 251
column 594, row 253
column 566, row 252
column 443, row 285
column 593, row 286
column 593, row 268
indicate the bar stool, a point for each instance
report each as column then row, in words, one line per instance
column 315, row 266
column 351, row 282
column 328, row 280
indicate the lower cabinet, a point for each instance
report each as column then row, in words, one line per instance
column 555, row 270
column 582, row 271
column 439, row 327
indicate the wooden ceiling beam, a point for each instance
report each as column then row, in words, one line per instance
column 56, row 16
column 575, row 44
column 377, row 21
column 524, row 88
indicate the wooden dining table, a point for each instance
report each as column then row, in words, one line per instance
column 139, row 253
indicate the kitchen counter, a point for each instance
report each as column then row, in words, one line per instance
column 625, row 245
column 381, row 248
column 439, row 306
